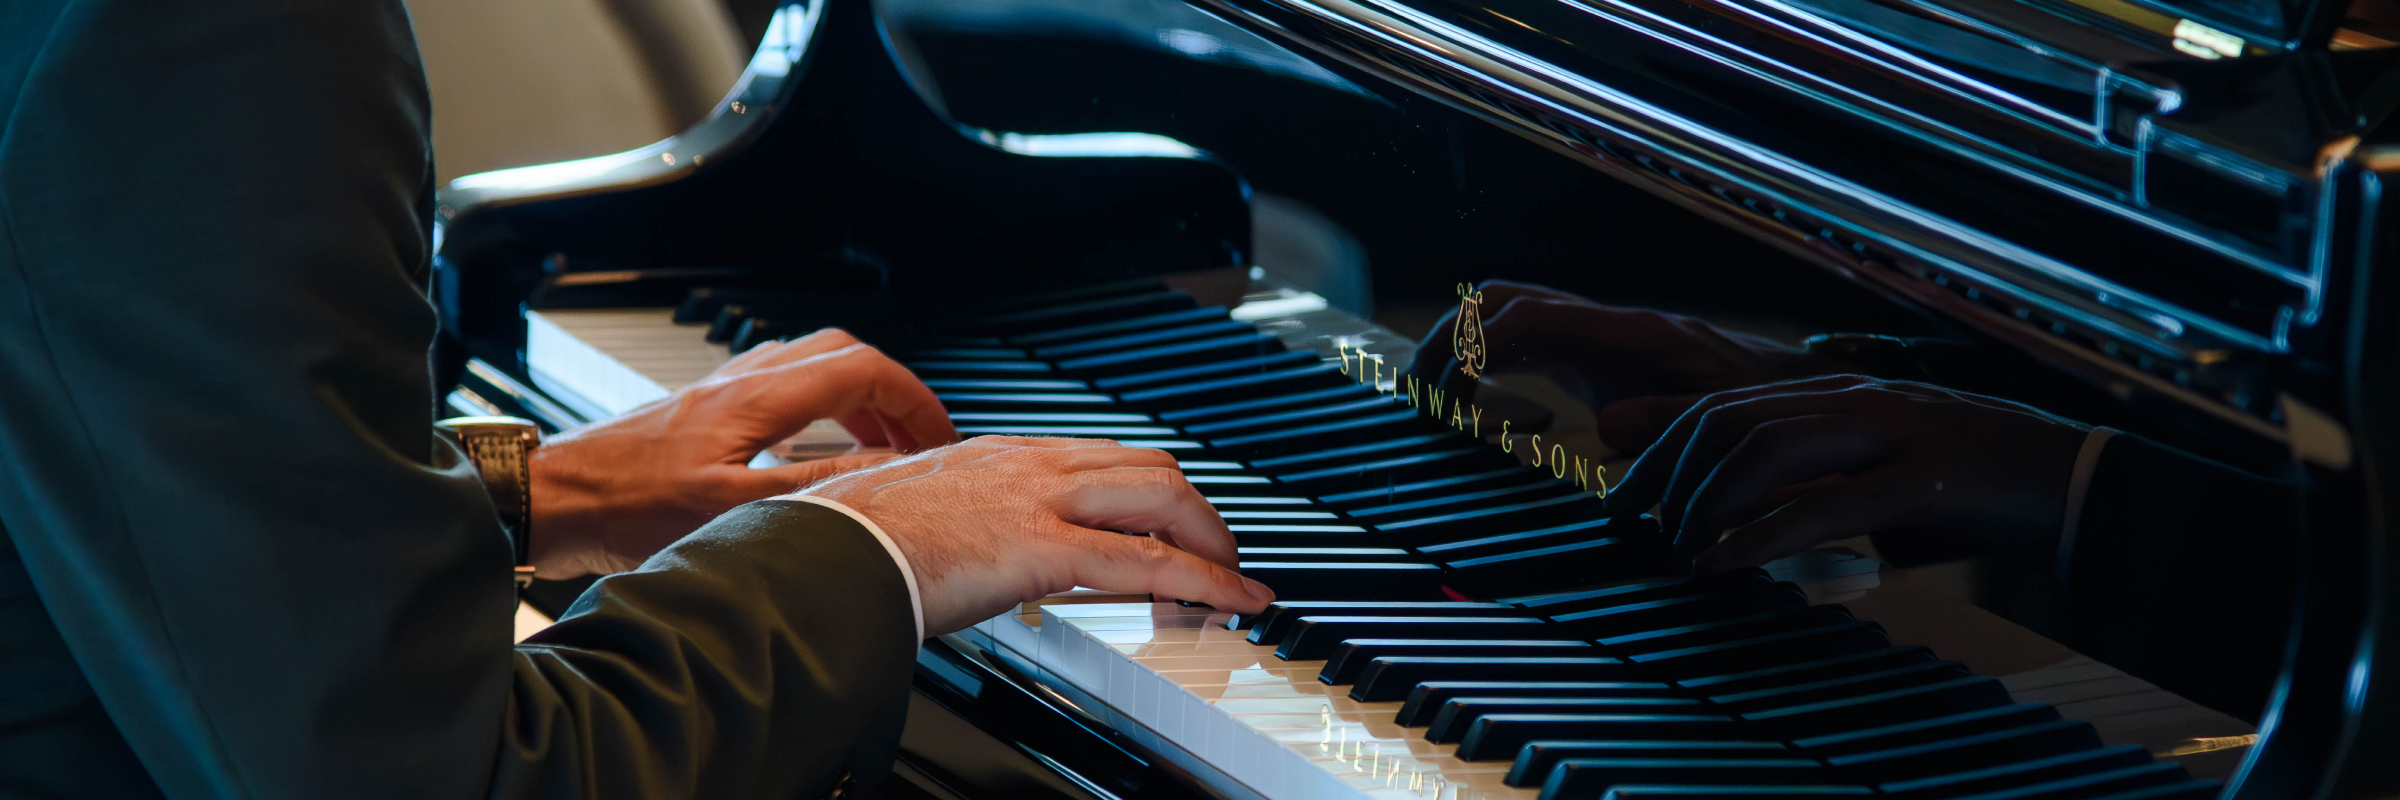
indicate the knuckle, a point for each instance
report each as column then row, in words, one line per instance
column 1152, row 551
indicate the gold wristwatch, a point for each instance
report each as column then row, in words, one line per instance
column 502, row 450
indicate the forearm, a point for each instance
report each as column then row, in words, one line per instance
column 767, row 655
column 215, row 422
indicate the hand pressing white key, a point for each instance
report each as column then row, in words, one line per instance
column 608, row 495
column 1000, row 520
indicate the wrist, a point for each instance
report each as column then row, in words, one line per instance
column 501, row 449
column 565, row 508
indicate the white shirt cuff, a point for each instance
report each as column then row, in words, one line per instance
column 916, row 602
column 2079, row 483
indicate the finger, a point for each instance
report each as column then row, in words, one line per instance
column 771, row 352
column 897, row 437
column 1776, row 454
column 1080, row 454
column 748, row 359
column 869, row 429
column 1140, row 564
column 753, row 484
column 1001, row 440
column 1634, row 423
column 1852, row 507
column 771, row 402
column 1153, row 500
column 1647, row 481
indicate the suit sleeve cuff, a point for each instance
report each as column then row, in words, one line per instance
column 916, row 602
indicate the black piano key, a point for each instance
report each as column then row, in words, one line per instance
column 1898, row 705
column 1534, row 485
column 1248, row 483
column 960, row 353
column 1387, row 494
column 1351, row 657
column 1297, row 467
column 1970, row 752
column 1302, row 535
column 1225, row 498
column 1806, row 671
column 1215, row 380
column 2186, row 790
column 1675, row 612
column 1591, row 778
column 1282, row 375
column 702, row 302
column 1344, row 555
column 1007, row 384
column 1143, row 339
column 1270, row 625
column 1583, row 530
column 1532, row 512
column 1056, row 417
column 2115, row 768
column 1394, row 677
column 1725, row 630
column 1212, row 350
column 1099, row 329
column 1311, row 397
column 1391, row 469
column 1104, row 309
column 1321, row 580
column 1291, row 418
column 1673, row 792
column 1499, row 736
column 1318, row 436
column 1031, row 429
column 1866, row 739
column 1575, row 564
column 1014, row 401
column 1451, row 721
column 753, row 331
column 1538, row 757
column 997, row 369
column 1427, row 698
column 725, row 322
column 1314, row 637
column 1283, row 514
column 1836, row 688
column 1742, row 655
column 1736, row 581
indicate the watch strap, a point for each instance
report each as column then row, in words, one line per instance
column 501, row 448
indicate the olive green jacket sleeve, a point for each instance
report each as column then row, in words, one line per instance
column 234, row 561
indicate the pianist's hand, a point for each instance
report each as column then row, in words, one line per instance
column 1000, row 520
column 1788, row 466
column 608, row 495
column 1638, row 369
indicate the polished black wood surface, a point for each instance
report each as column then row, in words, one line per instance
column 2196, row 249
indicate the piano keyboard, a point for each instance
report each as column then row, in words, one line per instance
column 1455, row 625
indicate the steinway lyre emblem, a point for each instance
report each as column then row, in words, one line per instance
column 1466, row 340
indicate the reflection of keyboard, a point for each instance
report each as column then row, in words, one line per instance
column 1457, row 625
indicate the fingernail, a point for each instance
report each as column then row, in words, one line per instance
column 1259, row 591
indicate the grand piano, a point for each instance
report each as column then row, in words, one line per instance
column 1089, row 219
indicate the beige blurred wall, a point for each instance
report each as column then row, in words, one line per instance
column 518, row 82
